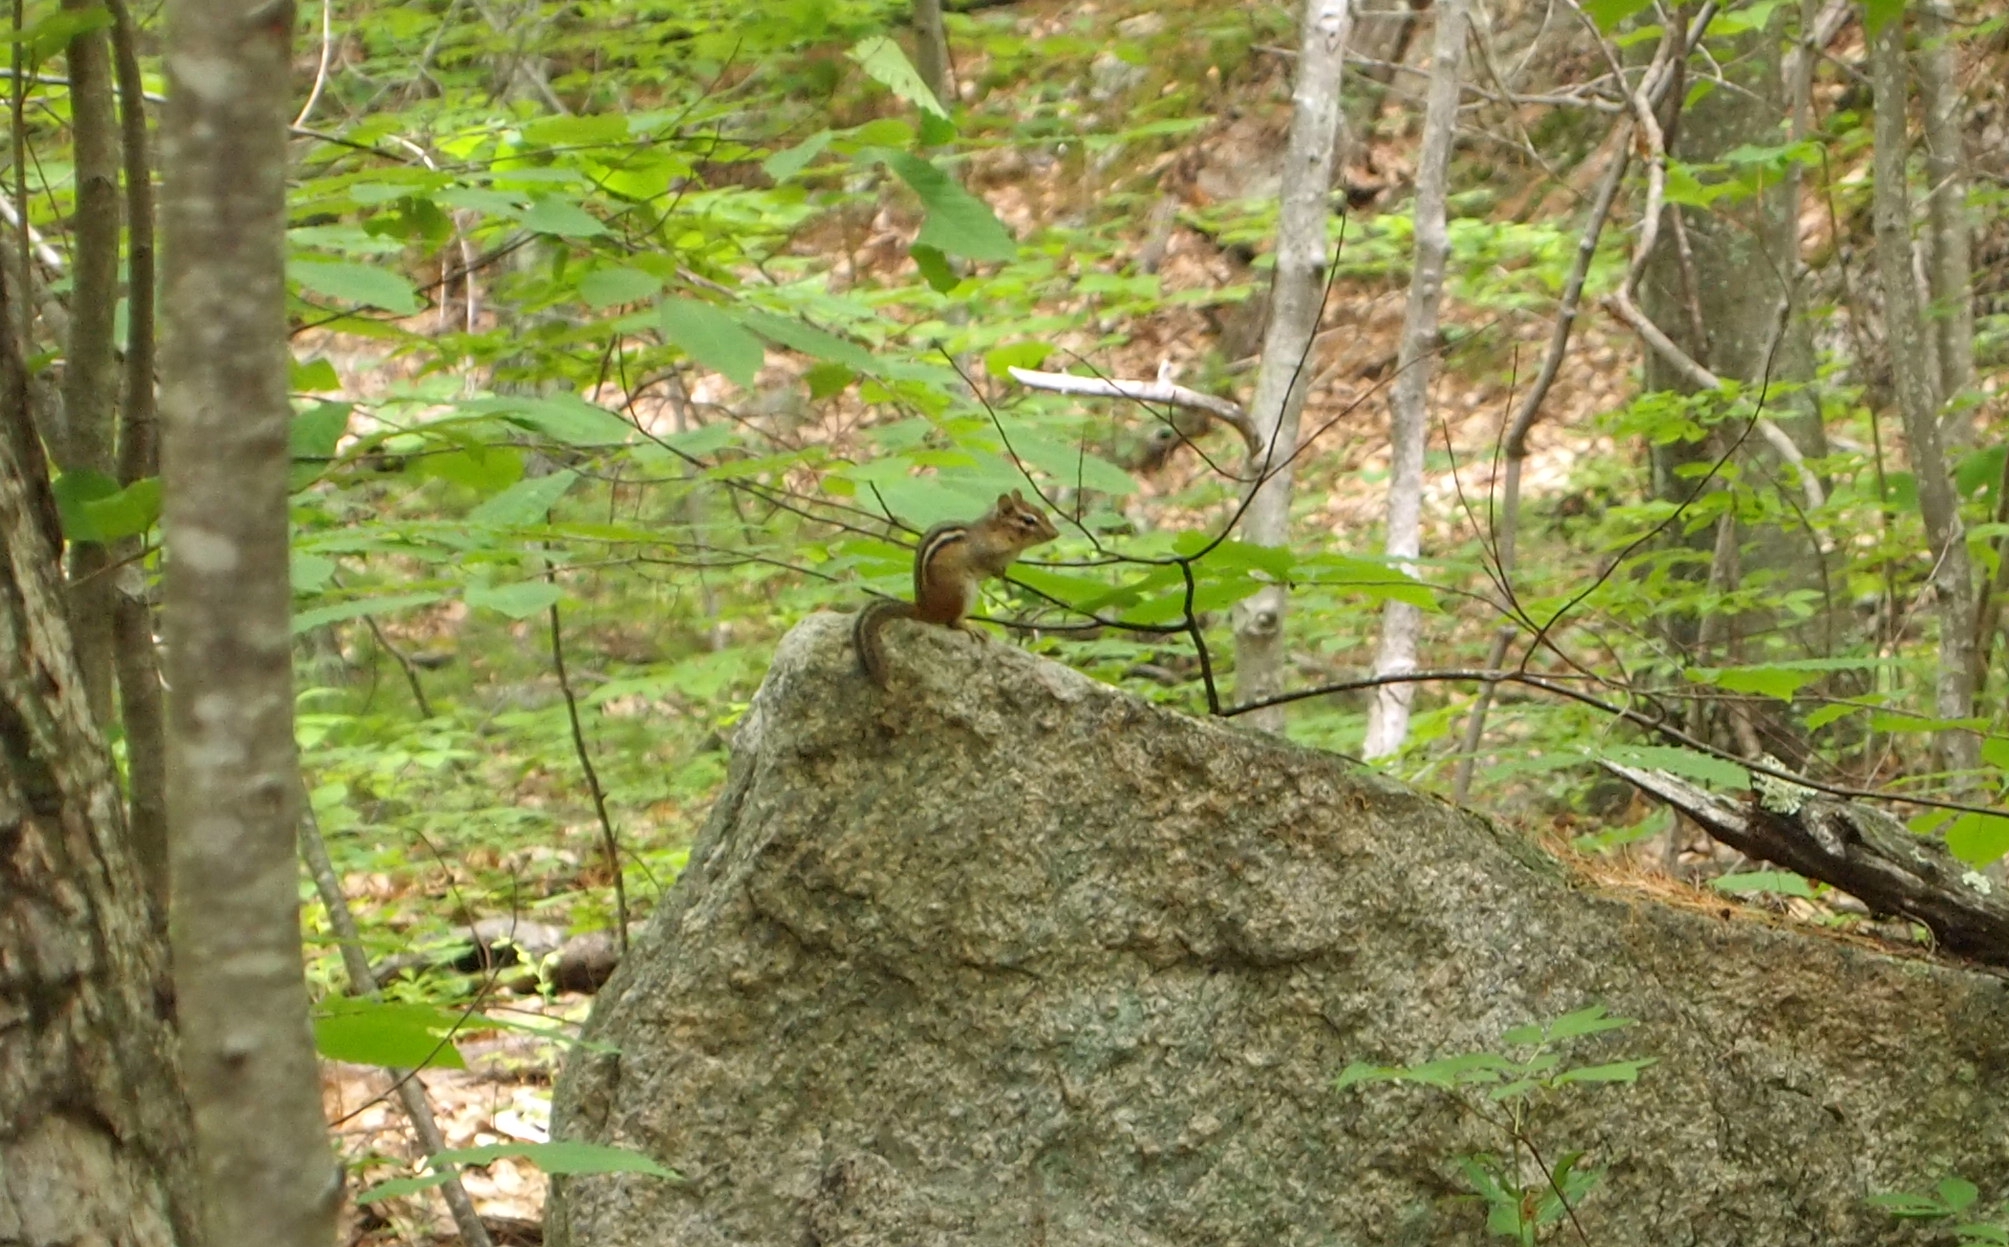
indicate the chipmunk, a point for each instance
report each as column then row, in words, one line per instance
column 954, row 559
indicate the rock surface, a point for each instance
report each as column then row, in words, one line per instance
column 1008, row 957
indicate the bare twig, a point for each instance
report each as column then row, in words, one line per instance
column 609, row 842
column 1163, row 390
column 363, row 982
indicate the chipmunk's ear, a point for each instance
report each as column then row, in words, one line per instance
column 1007, row 501
column 1018, row 497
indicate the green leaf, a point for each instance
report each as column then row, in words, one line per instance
column 816, row 343
column 999, row 361
column 1686, row 763
column 1898, row 721
column 312, row 374
column 1770, row 681
column 935, row 268
column 564, row 218
column 1071, row 462
column 1609, row 13
column 1878, row 14
column 1590, row 1020
column 1995, row 752
column 567, row 417
column 480, row 466
column 1978, row 839
column 607, row 287
column 355, row 283
column 958, row 222
column 517, row 601
column 316, row 432
column 528, row 501
column 565, row 1158
column 713, row 339
column 1782, row 882
column 304, row 621
column 1957, row 1192
column 310, row 573
column 1908, row 1205
column 784, row 165
column 1358, row 1073
column 1829, row 714
column 377, row 1032
column 1616, row 1071
column 398, row 1187
column 1376, row 580
column 92, row 507
column 882, row 59
column 826, row 380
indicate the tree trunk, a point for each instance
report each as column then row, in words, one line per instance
column 1949, row 266
column 1408, row 410
column 90, row 368
column 233, row 777
column 142, row 709
column 1297, row 293
column 1952, row 576
column 1720, row 286
column 94, row 1137
column 931, row 51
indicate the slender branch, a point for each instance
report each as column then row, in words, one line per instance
column 609, row 842
column 1658, row 725
column 363, row 982
column 1163, row 390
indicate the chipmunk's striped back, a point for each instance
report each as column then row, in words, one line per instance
column 952, row 562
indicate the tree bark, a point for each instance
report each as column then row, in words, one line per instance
column 142, row 709
column 1952, row 576
column 1949, row 265
column 931, row 51
column 1297, row 293
column 1408, row 409
column 90, row 366
column 233, row 776
column 93, row 1132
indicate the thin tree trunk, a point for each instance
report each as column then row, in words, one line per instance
column 1408, row 423
column 1952, row 577
column 1948, row 270
column 1297, row 291
column 931, row 51
column 90, row 366
column 142, row 709
column 266, row 1171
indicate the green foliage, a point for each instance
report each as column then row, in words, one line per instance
column 1952, row 1197
column 408, row 1035
column 568, row 1157
column 1511, row 1091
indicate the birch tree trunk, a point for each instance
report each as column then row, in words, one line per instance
column 1408, row 409
column 233, row 777
column 1952, row 576
column 1297, row 292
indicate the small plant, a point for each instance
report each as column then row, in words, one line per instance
column 1508, row 1091
column 1953, row 1197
